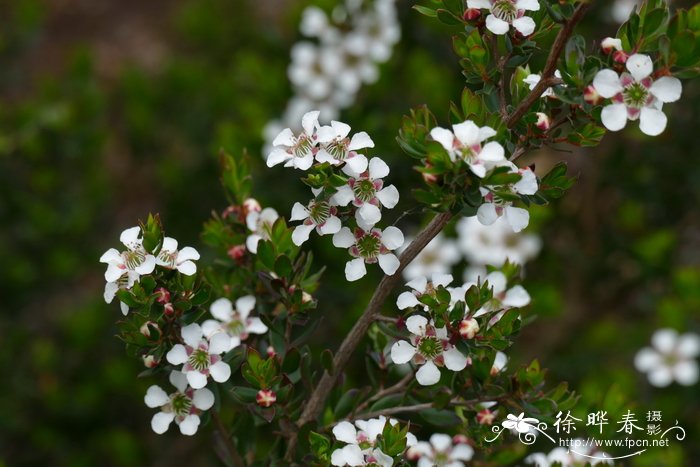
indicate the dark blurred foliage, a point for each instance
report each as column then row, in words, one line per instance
column 110, row 110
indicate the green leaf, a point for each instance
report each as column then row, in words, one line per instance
column 447, row 17
column 266, row 254
column 425, row 11
column 283, row 266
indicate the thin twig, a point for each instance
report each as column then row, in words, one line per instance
column 550, row 67
column 398, row 387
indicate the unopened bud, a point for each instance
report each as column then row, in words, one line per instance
column 620, row 56
column 149, row 361
column 485, row 417
column 271, row 351
column 610, row 44
column 168, row 309
column 468, row 328
column 237, row 252
column 162, row 295
column 543, row 121
column 413, row 454
column 460, row 439
column 251, row 205
column 471, row 14
column 590, row 95
column 150, row 329
column 266, row 397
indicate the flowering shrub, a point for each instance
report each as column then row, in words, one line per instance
column 240, row 326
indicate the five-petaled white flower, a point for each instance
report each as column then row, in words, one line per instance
column 521, row 424
column 440, row 452
column 636, row 95
column 201, row 357
column 374, row 246
column 360, row 448
column 318, row 214
column 259, row 223
column 182, row 406
column 236, row 323
column 367, row 193
column 422, row 286
column 172, row 258
column 505, row 13
column 495, row 207
column 532, row 80
column 430, row 348
column 671, row 358
column 503, row 298
column 296, row 151
column 134, row 259
column 465, row 143
column 336, row 148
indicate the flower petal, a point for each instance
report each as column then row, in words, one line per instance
column 443, row 136
column 277, row 156
column 486, row 214
column 343, row 238
column 428, row 374
column 496, row 26
column 531, row 5
column 355, row 269
column 301, row 233
column 360, row 140
column 516, row 297
column 441, row 442
column 368, row 215
column 640, row 66
column 245, row 305
column 192, row 334
column 467, row 133
column 220, row 371
column 357, row 163
column 492, row 152
column 607, row 83
column 177, row 355
column 221, row 309
column 614, row 116
column 178, row 380
column 378, row 168
column 402, row 352
column 480, row 4
column 388, row 196
column 343, row 196
column 219, row 343
column 524, row 25
column 389, row 263
column 661, row 376
column 155, row 397
column 518, row 218
column 331, row 226
column 189, row 425
column 310, row 121
column 187, row 268
column 161, row 421
column 285, row 138
column 203, row 399
column 454, row 359
column 345, row 432
column 406, row 300
column 419, row 284
column 392, row 238
column 652, row 122
column 686, row 372
column 462, row 452
column 256, row 326
column 688, row 345
column 667, row 89
column 196, row 379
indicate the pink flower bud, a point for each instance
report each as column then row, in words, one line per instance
column 237, row 252
column 590, row 95
column 471, row 14
column 620, row 56
column 543, row 121
column 413, row 454
column 149, row 328
column 251, row 205
column 168, row 309
column 610, row 44
column 149, row 361
column 271, row 351
column 162, row 295
column 485, row 417
column 429, row 178
column 468, row 328
column 265, row 398
column 460, row 439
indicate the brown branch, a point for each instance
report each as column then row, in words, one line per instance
column 398, row 387
column 318, row 398
column 550, row 67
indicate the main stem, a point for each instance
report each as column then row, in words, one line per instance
column 352, row 340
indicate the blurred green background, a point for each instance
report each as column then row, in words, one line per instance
column 113, row 109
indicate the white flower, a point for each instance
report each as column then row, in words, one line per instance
column 533, row 79
column 670, row 358
column 503, row 298
column 505, row 13
column 201, row 357
column 621, row 9
column 135, row 259
column 496, row 243
column 336, row 148
column 499, row 363
column 259, row 223
column 360, row 448
column 465, row 144
column 438, row 256
column 125, row 282
column 421, row 286
column 495, row 207
column 318, row 214
column 312, row 70
column 314, row 22
column 182, row 406
column 636, row 95
column 374, row 246
column 367, row 193
column 430, row 348
column 440, row 452
column 236, row 323
column 172, row 258
column 296, row 150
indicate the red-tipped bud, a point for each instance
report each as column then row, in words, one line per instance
column 468, row 328
column 460, row 439
column 413, row 454
column 620, row 56
column 610, row 44
column 149, row 361
column 237, row 252
column 471, row 14
column 251, row 205
column 162, row 295
column 485, row 417
column 543, row 121
column 271, row 351
column 590, row 95
column 150, row 329
column 168, row 309
column 265, row 398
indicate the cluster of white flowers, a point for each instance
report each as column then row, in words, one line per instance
column 360, row 448
column 442, row 450
column 125, row 268
column 344, row 53
column 506, row 13
column 672, row 357
column 430, row 347
column 636, row 95
column 581, row 455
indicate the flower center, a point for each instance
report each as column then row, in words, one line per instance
column 319, row 212
column 467, row 154
column 168, row 257
column 199, row 359
column 504, row 10
column 429, row 347
column 635, row 95
column 368, row 246
column 235, row 327
column 364, row 190
column 303, row 147
column 134, row 258
column 338, row 149
column 441, row 459
column 181, row 404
